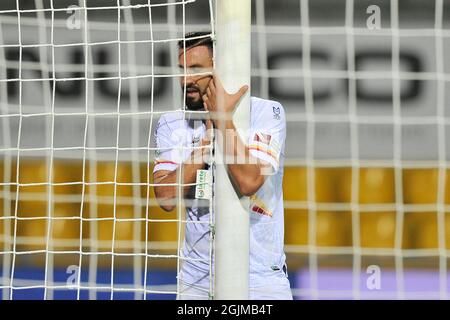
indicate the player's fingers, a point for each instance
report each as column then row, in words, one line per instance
column 211, row 97
column 241, row 92
column 210, row 107
column 209, row 128
column 207, row 101
column 212, row 87
column 208, row 124
column 217, row 83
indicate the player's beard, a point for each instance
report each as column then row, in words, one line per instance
column 194, row 104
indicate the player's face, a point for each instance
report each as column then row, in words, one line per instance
column 198, row 60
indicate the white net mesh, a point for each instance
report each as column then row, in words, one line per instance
column 364, row 85
column 82, row 87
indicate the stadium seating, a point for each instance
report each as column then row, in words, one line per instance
column 421, row 188
column 328, row 206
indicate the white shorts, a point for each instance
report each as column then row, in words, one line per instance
column 278, row 290
column 281, row 290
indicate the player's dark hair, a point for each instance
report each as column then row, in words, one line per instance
column 196, row 39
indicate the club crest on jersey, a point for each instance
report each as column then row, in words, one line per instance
column 276, row 113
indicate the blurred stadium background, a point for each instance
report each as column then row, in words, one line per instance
column 366, row 169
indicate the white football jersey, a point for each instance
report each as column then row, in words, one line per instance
column 175, row 136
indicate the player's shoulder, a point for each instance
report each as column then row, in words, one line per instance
column 264, row 108
column 170, row 121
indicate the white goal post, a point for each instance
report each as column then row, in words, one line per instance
column 232, row 65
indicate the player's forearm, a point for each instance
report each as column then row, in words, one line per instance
column 167, row 190
column 244, row 169
column 168, row 186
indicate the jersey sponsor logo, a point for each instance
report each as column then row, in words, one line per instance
column 195, row 140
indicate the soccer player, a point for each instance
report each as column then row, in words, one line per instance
column 259, row 178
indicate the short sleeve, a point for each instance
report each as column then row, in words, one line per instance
column 167, row 146
column 268, row 133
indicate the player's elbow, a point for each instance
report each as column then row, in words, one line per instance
column 165, row 201
column 250, row 185
column 167, row 207
column 166, row 204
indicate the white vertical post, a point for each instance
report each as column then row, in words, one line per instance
column 232, row 64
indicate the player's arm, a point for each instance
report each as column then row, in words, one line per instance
column 248, row 175
column 165, row 184
column 166, row 188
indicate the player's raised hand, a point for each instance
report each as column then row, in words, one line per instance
column 218, row 101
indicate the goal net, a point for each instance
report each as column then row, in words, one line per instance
column 364, row 85
column 83, row 85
